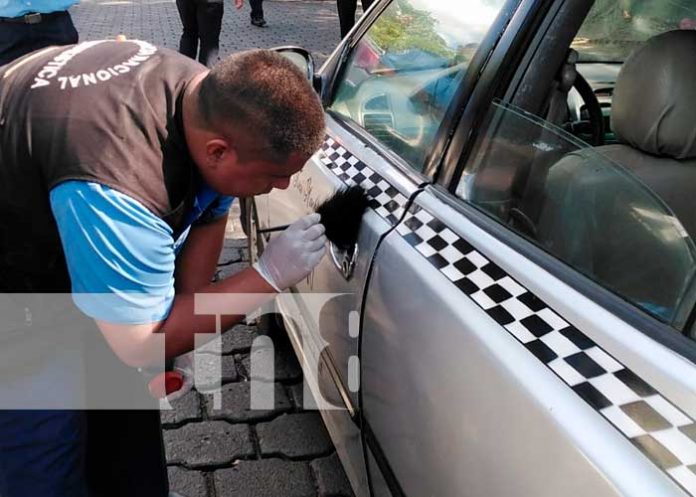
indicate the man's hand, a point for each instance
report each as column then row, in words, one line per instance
column 293, row 254
column 238, row 3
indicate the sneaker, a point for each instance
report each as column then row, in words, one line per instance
column 258, row 21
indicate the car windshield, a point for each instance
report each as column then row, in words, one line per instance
column 614, row 28
column 417, row 35
column 403, row 74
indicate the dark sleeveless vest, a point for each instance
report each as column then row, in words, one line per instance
column 109, row 113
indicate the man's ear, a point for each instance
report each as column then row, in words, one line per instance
column 219, row 151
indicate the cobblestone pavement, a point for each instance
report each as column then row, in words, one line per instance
column 312, row 24
column 237, row 452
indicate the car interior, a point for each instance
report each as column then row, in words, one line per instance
column 602, row 177
column 657, row 148
column 594, row 165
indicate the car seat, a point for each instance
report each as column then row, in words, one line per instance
column 626, row 214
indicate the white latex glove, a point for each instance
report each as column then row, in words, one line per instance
column 292, row 255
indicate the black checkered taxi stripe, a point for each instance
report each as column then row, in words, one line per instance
column 384, row 198
column 665, row 434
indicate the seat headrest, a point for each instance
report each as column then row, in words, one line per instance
column 654, row 102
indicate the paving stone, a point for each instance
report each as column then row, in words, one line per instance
column 265, row 478
column 230, row 255
column 286, row 366
column 212, row 443
column 331, row 478
column 207, row 378
column 233, row 242
column 236, row 404
column 234, row 230
column 295, row 435
column 235, row 246
column 224, row 272
column 235, row 340
column 297, row 394
column 186, row 482
column 187, row 408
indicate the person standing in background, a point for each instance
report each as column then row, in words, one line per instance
column 346, row 13
column 202, row 22
column 257, row 13
column 28, row 26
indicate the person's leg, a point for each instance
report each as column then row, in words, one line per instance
column 346, row 15
column 42, row 453
column 257, row 13
column 366, row 4
column 17, row 40
column 125, row 454
column 58, row 30
column 11, row 42
column 210, row 23
column 188, row 44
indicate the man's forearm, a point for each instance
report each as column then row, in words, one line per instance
column 195, row 270
column 250, row 292
column 142, row 345
column 145, row 345
column 198, row 260
column 291, row 255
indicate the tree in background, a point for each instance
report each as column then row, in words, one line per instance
column 404, row 28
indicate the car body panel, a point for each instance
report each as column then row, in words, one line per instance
column 340, row 162
column 479, row 388
column 377, row 483
column 320, row 382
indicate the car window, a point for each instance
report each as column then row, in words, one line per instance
column 584, row 207
column 402, row 75
column 613, row 28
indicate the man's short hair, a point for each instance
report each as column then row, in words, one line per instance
column 263, row 92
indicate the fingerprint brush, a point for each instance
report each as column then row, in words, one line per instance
column 341, row 215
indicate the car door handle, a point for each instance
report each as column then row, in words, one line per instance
column 344, row 260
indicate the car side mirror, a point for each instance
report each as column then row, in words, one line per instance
column 303, row 60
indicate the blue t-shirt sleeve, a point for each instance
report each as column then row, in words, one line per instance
column 220, row 207
column 120, row 256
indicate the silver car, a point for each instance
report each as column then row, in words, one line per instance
column 518, row 316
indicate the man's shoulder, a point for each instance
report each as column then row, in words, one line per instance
column 108, row 111
column 104, row 204
column 88, row 66
column 184, row 62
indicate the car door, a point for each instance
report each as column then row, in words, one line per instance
column 491, row 366
column 393, row 101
